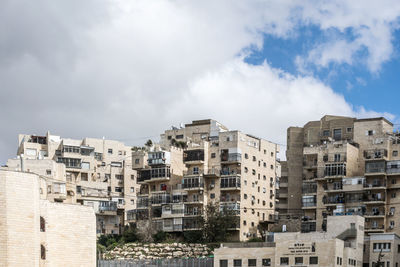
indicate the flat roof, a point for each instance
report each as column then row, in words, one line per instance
column 375, row 119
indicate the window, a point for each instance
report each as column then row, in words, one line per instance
column 325, row 133
column 337, row 134
column 349, row 129
column 265, row 164
column 42, row 252
column 212, row 195
column 237, row 262
column 137, row 161
column 253, row 171
column 132, row 177
column 48, row 172
column 266, row 262
column 393, row 195
column 179, row 136
column 313, row 260
column 132, row 201
column 84, row 176
column 245, row 196
column 395, row 153
column 252, row 223
column 337, row 157
column 213, row 155
column 272, row 167
column 244, row 222
column 252, row 262
column 284, row 261
column 246, row 170
column 272, row 154
column 132, row 189
column 120, row 153
column 370, row 132
column 223, row 263
column 254, row 158
column 110, row 151
column 119, row 177
column 298, row 260
column 264, row 177
column 119, row 189
column 169, row 137
column 246, row 156
column 42, row 224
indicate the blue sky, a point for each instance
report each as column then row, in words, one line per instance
column 378, row 91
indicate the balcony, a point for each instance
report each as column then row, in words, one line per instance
column 154, row 174
column 374, row 200
column 158, row 158
column 333, row 201
column 174, row 210
column 335, row 170
column 108, row 207
column 195, row 156
column 135, row 215
column 374, row 228
column 375, row 185
column 195, row 183
column 142, row 202
column 160, row 198
column 309, row 188
column 230, row 183
column 374, row 168
column 227, row 157
column 374, row 214
column 393, row 167
column 374, row 154
column 212, row 172
column 233, row 207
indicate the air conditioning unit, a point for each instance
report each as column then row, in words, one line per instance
column 330, row 180
column 212, row 186
column 390, row 214
column 391, row 226
column 201, row 192
column 341, row 195
column 367, row 219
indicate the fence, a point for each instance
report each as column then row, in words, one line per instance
column 194, row 262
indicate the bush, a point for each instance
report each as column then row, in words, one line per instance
column 130, row 235
column 193, row 237
column 107, row 240
column 160, row 237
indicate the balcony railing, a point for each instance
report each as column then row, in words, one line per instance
column 335, row 169
column 231, row 157
column 107, row 206
column 189, row 183
column 393, row 167
column 375, row 154
column 160, row 199
column 193, row 155
column 375, row 167
column 230, row 182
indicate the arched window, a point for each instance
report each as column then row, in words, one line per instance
column 42, row 252
column 42, row 224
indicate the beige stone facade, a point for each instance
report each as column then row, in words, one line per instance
column 37, row 232
column 214, row 165
column 341, row 245
column 342, row 165
column 92, row 172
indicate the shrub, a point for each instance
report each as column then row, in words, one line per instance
column 160, row 236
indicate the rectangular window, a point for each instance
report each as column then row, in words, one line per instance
column 179, row 136
column 349, row 129
column 298, row 260
column 313, row 260
column 325, row 133
column 110, row 151
column 237, row 263
column 84, row 176
column 213, row 155
column 266, row 262
column 85, row 165
column 119, row 189
column 223, row 263
column 284, row 261
column 395, row 153
column 252, row 262
column 337, row 134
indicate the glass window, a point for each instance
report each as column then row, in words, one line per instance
column 298, row 260
column 252, row 262
column 266, row 262
column 313, row 260
column 284, row 261
column 237, row 263
column 223, row 263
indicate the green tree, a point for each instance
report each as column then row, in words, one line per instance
column 217, row 222
column 149, row 143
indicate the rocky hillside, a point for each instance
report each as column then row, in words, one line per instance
column 157, row 251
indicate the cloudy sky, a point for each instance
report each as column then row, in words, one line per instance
column 127, row 70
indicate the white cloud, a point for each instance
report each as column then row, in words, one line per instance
column 130, row 69
column 370, row 24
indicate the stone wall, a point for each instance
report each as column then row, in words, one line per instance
column 157, row 251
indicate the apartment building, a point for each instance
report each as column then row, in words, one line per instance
column 37, row 232
column 340, row 245
column 204, row 162
column 341, row 166
column 92, row 172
